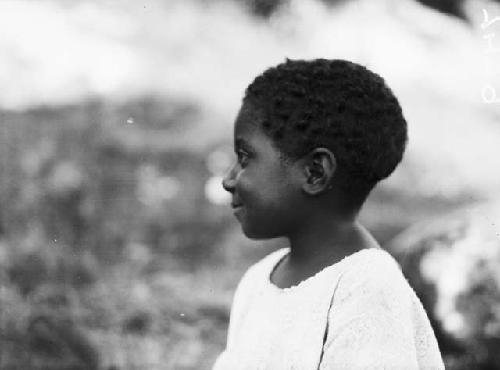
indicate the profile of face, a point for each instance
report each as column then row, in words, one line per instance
column 264, row 191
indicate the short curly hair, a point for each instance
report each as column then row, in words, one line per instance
column 335, row 104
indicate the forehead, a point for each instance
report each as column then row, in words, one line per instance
column 247, row 126
column 248, row 115
column 249, row 134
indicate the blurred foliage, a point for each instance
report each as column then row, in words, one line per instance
column 97, row 222
column 453, row 263
column 265, row 8
column 452, row 7
column 84, row 175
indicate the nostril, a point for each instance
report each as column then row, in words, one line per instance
column 227, row 184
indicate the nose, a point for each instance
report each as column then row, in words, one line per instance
column 229, row 180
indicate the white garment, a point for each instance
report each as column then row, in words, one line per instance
column 372, row 316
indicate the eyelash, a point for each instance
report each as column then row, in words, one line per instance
column 241, row 154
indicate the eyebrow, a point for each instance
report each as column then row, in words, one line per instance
column 242, row 142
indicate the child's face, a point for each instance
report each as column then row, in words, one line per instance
column 264, row 189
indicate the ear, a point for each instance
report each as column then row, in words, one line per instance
column 319, row 168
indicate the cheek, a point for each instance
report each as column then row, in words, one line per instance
column 264, row 191
column 266, row 200
column 248, row 186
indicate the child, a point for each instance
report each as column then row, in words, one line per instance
column 312, row 139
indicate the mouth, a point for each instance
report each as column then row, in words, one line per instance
column 237, row 208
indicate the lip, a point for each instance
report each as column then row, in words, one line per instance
column 237, row 208
column 236, row 205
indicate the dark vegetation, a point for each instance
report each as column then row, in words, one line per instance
column 90, row 253
column 265, row 8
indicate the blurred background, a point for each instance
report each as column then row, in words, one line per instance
column 118, row 249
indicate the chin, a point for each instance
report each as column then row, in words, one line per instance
column 260, row 234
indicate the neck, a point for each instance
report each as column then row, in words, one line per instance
column 327, row 240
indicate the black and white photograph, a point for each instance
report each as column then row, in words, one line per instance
column 250, row 185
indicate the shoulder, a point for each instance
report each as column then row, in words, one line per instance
column 374, row 265
column 373, row 277
column 372, row 302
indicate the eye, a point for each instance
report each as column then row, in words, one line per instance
column 242, row 158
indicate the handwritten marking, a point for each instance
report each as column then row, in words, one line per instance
column 491, row 49
column 486, row 23
column 488, row 92
column 492, row 98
